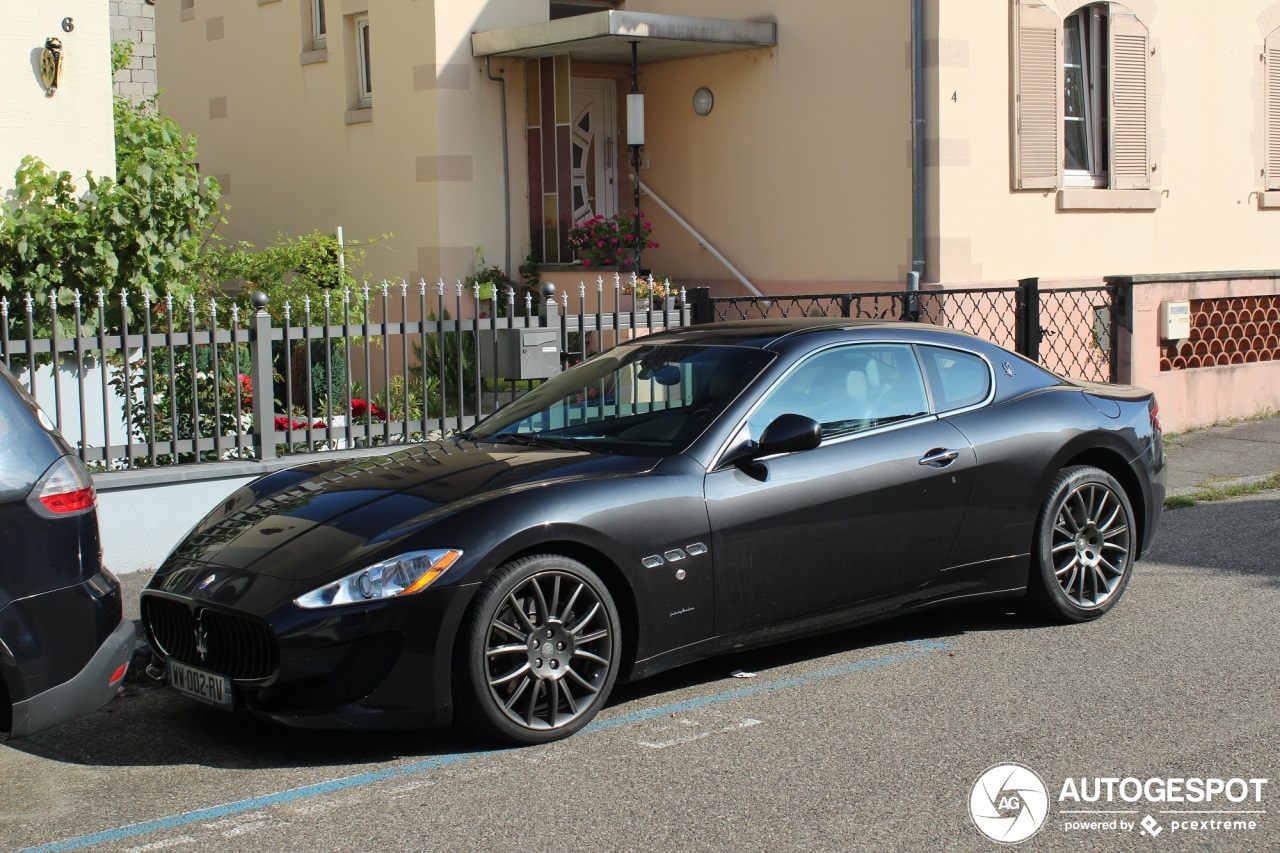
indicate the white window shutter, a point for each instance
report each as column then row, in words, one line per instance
column 1272, row 70
column 1130, row 152
column 1037, row 96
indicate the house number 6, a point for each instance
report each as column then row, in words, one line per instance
column 68, row 25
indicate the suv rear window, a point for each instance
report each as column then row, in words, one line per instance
column 26, row 450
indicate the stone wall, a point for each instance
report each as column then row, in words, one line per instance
column 136, row 20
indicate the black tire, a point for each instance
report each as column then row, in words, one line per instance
column 1084, row 548
column 538, row 651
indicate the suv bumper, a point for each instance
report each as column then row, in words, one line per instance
column 83, row 693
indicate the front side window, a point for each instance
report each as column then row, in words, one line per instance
column 848, row 389
column 1084, row 96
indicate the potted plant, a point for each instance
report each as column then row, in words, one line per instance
column 611, row 242
column 656, row 290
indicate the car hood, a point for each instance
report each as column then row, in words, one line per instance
column 308, row 521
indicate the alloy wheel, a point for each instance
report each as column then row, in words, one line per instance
column 1090, row 546
column 548, row 651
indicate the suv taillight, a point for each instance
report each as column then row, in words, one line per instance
column 1154, row 408
column 65, row 489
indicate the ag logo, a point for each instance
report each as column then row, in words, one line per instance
column 1009, row 803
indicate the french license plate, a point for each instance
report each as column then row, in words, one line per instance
column 199, row 684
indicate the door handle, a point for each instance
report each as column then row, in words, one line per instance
column 608, row 152
column 939, row 457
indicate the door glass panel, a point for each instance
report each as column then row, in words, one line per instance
column 848, row 389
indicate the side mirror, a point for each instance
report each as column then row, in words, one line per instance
column 789, row 433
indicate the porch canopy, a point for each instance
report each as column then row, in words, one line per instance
column 607, row 36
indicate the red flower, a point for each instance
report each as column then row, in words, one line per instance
column 359, row 407
column 246, row 390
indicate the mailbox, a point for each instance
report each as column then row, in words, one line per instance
column 519, row 353
column 1175, row 320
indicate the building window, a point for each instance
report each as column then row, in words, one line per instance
column 1084, row 98
column 319, row 29
column 1080, row 98
column 364, row 75
column 1271, row 118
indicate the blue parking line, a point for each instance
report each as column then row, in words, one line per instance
column 915, row 649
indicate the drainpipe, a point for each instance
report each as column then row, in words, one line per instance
column 917, row 139
column 506, row 166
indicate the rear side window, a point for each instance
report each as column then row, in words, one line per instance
column 26, row 450
column 958, row 379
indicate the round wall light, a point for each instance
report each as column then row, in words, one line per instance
column 703, row 101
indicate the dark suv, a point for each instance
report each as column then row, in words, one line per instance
column 64, row 646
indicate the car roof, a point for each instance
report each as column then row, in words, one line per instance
column 765, row 334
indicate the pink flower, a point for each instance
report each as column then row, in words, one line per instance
column 600, row 244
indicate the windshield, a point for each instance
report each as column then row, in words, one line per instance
column 638, row 399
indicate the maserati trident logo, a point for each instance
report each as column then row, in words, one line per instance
column 202, row 638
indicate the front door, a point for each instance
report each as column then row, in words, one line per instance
column 592, row 155
column 870, row 514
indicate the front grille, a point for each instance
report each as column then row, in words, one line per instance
column 241, row 648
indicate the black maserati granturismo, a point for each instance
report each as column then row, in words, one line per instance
column 681, row 495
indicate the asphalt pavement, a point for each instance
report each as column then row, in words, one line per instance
column 1220, row 455
column 870, row 739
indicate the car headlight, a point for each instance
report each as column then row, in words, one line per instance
column 404, row 574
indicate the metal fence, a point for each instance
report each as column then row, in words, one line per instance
column 1068, row 330
column 171, row 384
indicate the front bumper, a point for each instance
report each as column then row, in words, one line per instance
column 384, row 665
column 83, row 693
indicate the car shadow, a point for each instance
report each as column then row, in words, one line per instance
column 150, row 725
column 939, row 625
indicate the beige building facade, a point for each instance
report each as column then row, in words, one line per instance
column 70, row 127
column 1061, row 140
column 800, row 174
